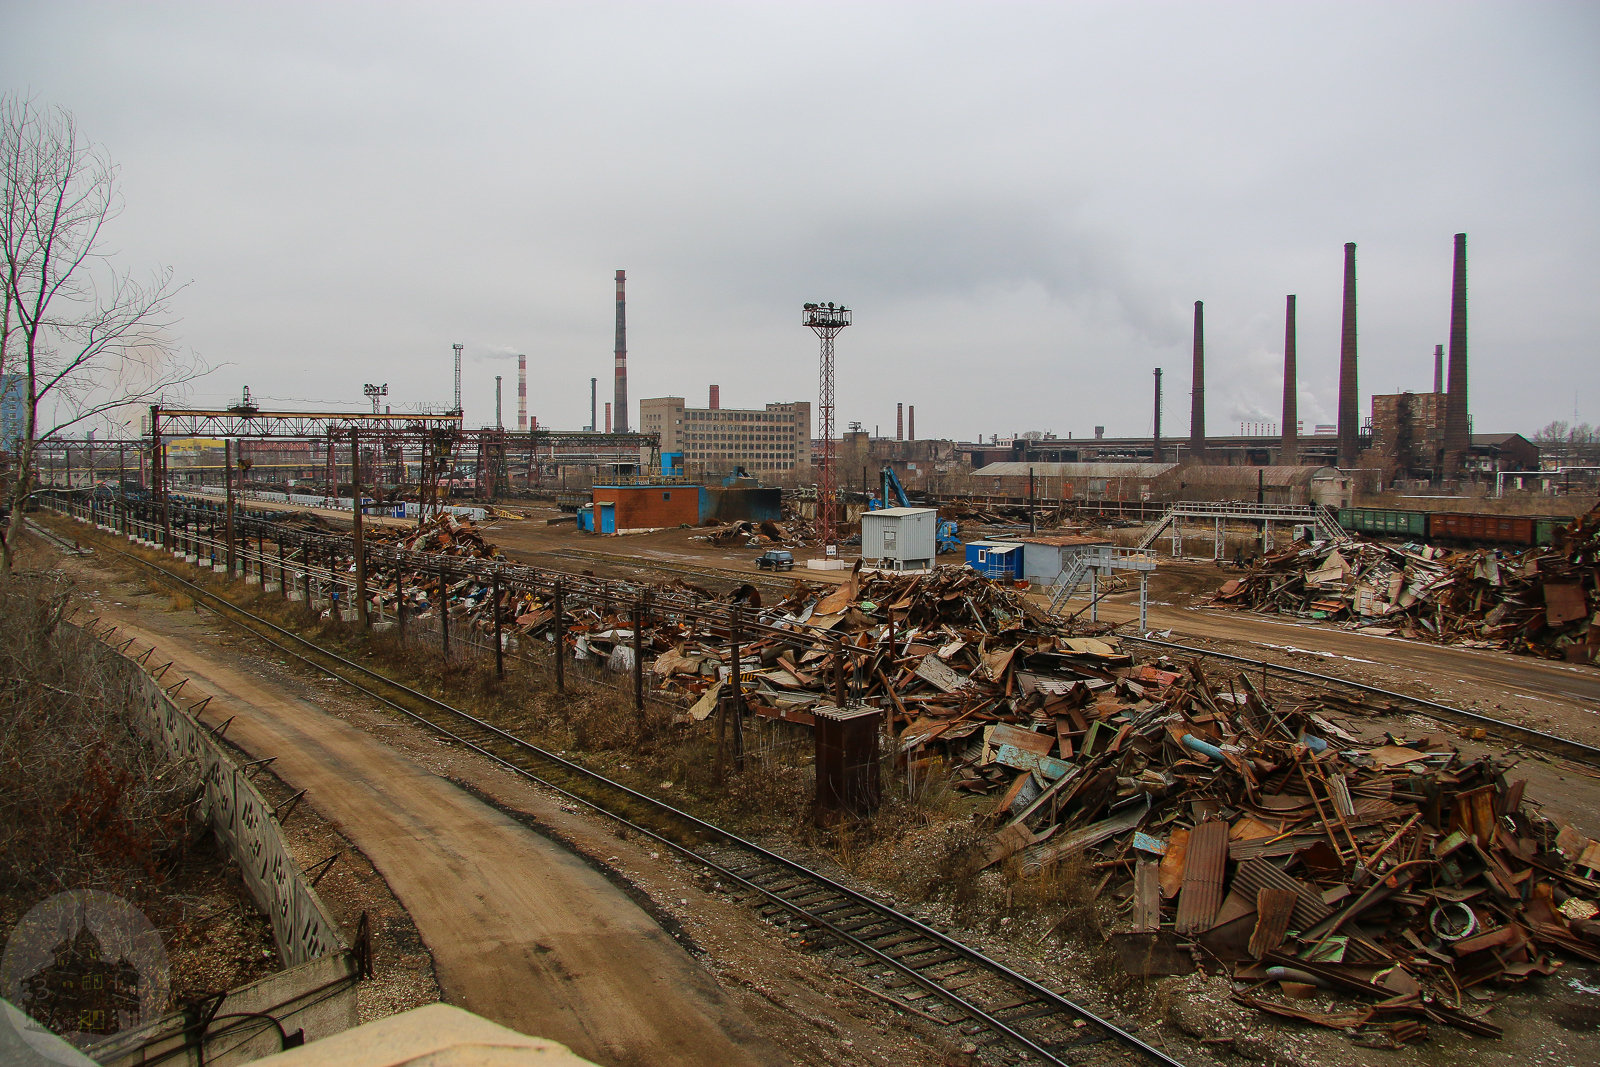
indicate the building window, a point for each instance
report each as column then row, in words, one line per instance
column 666, row 496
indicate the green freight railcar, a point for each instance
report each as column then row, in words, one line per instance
column 1384, row 521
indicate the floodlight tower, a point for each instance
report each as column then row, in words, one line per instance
column 826, row 320
column 374, row 392
column 458, row 348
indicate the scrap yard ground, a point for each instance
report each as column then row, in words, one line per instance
column 761, row 985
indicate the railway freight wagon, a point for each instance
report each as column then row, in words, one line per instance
column 1509, row 530
column 1385, row 522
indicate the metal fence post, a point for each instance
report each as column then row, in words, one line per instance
column 638, row 662
column 736, row 704
column 499, row 650
column 561, row 639
column 444, row 616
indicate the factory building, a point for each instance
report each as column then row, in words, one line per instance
column 768, row 441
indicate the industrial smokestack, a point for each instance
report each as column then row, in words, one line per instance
column 522, row 394
column 1197, row 397
column 497, row 424
column 1349, row 398
column 1456, row 438
column 911, row 422
column 716, row 398
column 622, row 356
column 1155, row 442
column 899, row 422
column 1289, row 450
column 608, row 418
column 1438, row 368
column 594, row 411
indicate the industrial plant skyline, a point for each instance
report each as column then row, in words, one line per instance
column 1022, row 203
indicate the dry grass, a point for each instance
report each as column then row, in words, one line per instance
column 87, row 800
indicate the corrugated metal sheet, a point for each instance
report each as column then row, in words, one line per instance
column 1202, row 878
column 1256, row 875
column 1246, row 475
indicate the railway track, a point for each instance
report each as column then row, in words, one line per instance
column 1553, row 744
column 913, row 966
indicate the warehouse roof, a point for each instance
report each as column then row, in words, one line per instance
column 1076, row 470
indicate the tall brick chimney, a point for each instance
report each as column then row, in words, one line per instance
column 1155, row 441
column 1438, row 368
column 899, row 422
column 622, row 354
column 911, row 422
column 1456, row 438
column 1289, row 449
column 1349, row 395
column 1197, row 395
column 608, row 418
column 716, row 397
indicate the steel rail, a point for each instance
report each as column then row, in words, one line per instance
column 699, row 826
column 1575, row 750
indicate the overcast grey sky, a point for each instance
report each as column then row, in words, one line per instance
column 1020, row 201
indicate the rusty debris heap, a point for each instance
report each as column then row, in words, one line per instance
column 1542, row 602
column 1354, row 878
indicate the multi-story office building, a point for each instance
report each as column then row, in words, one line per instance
column 772, row 440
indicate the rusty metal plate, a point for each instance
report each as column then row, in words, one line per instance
column 1202, row 877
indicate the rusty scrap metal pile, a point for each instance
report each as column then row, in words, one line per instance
column 1349, row 877
column 1545, row 601
column 1387, row 877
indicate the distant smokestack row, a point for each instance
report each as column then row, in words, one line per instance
column 716, row 397
column 522, row 394
column 1289, row 449
column 1349, row 399
column 911, row 422
column 1197, row 396
column 622, row 356
column 899, row 422
column 1456, row 438
column 1438, row 368
column 1155, row 444
column 608, row 418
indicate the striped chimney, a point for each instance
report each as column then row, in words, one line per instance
column 522, row 394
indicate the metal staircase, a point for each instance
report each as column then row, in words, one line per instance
column 1068, row 582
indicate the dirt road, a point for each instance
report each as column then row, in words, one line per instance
column 522, row 932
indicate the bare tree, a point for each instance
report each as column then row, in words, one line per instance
column 73, row 324
column 1569, row 445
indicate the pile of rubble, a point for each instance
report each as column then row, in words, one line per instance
column 445, row 534
column 1543, row 601
column 1372, row 882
